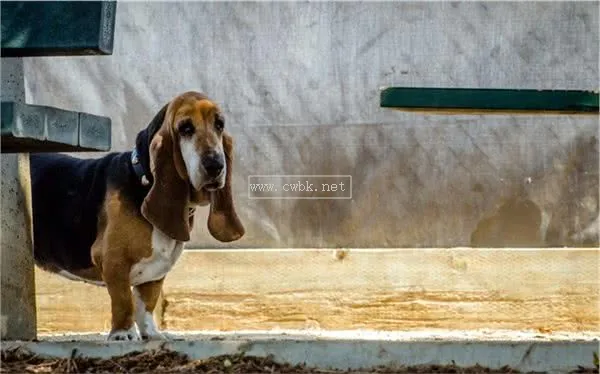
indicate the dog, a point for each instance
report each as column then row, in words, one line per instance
column 120, row 221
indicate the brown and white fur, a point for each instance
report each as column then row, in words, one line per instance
column 99, row 221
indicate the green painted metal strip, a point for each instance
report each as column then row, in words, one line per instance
column 489, row 101
column 36, row 128
column 57, row 28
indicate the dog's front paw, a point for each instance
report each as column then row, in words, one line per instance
column 148, row 329
column 124, row 335
column 147, row 326
column 154, row 335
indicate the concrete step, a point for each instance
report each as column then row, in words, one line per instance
column 524, row 351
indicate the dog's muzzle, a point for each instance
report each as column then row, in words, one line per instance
column 214, row 167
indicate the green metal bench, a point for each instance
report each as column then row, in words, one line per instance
column 489, row 101
column 57, row 28
column 34, row 128
column 40, row 29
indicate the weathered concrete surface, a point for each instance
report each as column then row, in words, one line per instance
column 358, row 350
column 17, row 284
column 299, row 83
column 18, row 312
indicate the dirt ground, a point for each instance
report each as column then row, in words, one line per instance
column 171, row 362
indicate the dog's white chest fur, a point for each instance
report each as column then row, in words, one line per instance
column 165, row 252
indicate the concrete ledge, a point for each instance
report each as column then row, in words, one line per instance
column 35, row 128
column 353, row 350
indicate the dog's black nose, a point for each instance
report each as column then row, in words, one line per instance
column 213, row 164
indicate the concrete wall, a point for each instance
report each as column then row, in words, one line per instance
column 299, row 83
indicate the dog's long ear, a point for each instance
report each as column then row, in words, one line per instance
column 166, row 204
column 223, row 222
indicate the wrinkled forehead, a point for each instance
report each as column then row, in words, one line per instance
column 198, row 109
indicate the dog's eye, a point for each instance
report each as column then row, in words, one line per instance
column 186, row 128
column 219, row 123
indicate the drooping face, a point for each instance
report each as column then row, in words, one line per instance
column 191, row 160
column 198, row 126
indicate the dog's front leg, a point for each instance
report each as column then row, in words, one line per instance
column 146, row 297
column 116, row 276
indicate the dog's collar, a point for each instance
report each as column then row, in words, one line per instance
column 138, row 168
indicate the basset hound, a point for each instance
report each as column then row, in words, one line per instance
column 120, row 221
